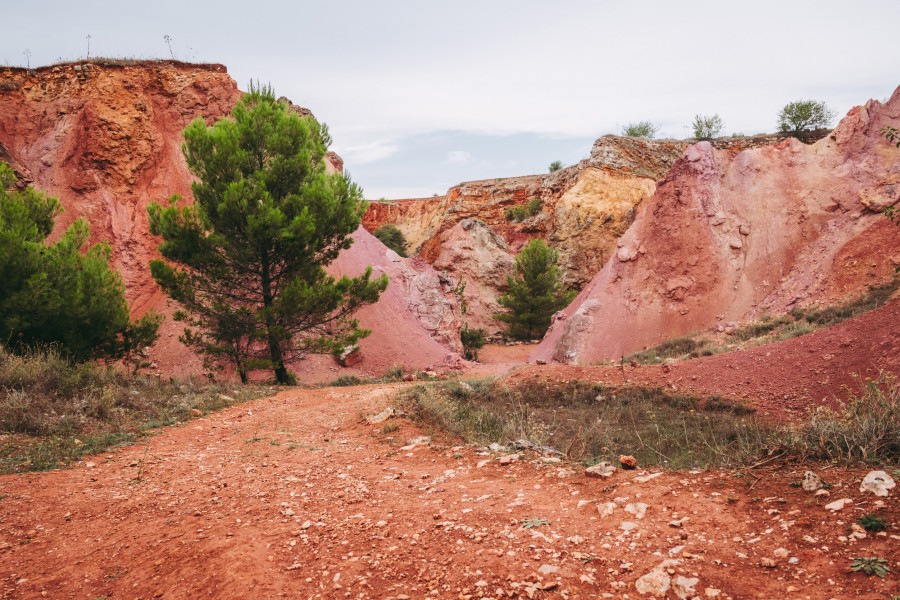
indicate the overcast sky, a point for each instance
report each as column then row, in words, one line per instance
column 421, row 95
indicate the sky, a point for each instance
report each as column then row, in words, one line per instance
column 421, row 95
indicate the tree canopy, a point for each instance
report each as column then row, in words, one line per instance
column 246, row 260
column 534, row 293
column 55, row 295
column 802, row 115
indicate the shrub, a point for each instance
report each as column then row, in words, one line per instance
column 472, row 340
column 706, row 128
column 522, row 212
column 555, row 166
column 641, row 129
column 803, row 115
column 870, row 565
column 393, row 238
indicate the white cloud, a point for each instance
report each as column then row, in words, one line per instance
column 458, row 157
column 367, row 153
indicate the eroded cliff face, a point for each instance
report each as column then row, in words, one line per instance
column 106, row 139
column 731, row 234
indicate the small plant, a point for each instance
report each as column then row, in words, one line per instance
column 390, row 428
column 706, row 128
column 555, row 166
column 641, row 129
column 346, row 380
column 472, row 340
column 872, row 522
column 534, row 522
column 870, row 565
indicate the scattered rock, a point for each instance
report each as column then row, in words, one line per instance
column 838, row 504
column 627, row 461
column 646, row 478
column 638, row 509
column 383, row 416
column 877, row 482
column 548, row 569
column 604, row 509
column 602, row 469
column 684, row 586
column 811, row 482
column 350, row 356
column 508, row 459
column 657, row 581
column 767, row 563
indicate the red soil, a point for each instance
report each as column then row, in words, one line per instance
column 295, row 496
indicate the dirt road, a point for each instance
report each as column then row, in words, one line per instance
column 297, row 496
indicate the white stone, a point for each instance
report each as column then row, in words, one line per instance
column 877, row 482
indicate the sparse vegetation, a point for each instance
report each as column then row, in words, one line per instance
column 534, row 293
column 590, row 423
column 803, row 115
column 799, row 321
column 593, row 422
column 870, row 565
column 555, row 166
column 53, row 411
column 393, row 238
column 872, row 522
column 641, row 129
column 866, row 429
column 522, row 212
column 707, row 127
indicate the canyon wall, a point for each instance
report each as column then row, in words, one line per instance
column 730, row 235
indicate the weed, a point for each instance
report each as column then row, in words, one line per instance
column 390, row 428
column 866, row 429
column 346, row 380
column 534, row 523
column 872, row 522
column 870, row 565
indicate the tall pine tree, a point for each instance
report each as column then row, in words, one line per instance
column 534, row 294
column 246, row 259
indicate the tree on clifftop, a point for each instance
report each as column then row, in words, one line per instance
column 55, row 295
column 534, row 294
column 252, row 248
column 802, row 115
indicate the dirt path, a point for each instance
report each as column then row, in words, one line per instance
column 296, row 496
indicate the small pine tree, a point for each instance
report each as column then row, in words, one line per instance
column 393, row 238
column 534, row 294
column 53, row 294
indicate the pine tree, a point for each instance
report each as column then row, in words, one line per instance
column 534, row 294
column 53, row 294
column 246, row 259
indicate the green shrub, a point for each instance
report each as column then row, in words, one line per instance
column 556, row 165
column 393, row 238
column 472, row 341
column 641, row 129
column 803, row 115
column 707, row 128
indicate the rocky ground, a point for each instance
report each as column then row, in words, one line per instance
column 298, row 495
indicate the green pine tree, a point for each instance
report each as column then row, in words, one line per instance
column 246, row 259
column 53, row 294
column 534, row 294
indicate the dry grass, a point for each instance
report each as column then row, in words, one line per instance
column 53, row 412
column 592, row 423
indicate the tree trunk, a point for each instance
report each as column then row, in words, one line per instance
column 281, row 372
